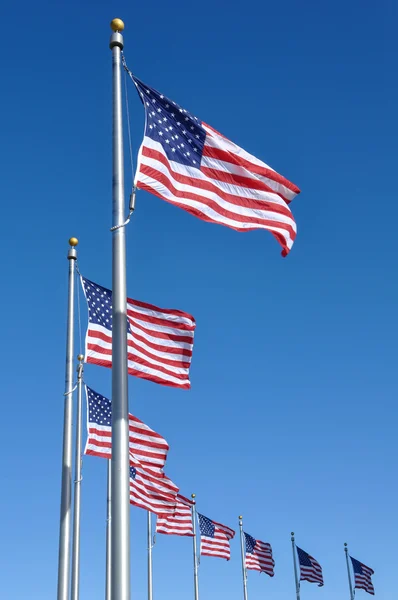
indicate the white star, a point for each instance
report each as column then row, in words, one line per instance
column 167, row 141
column 160, row 132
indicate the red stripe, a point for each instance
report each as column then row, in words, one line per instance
column 105, row 337
column 166, row 311
column 227, row 156
column 208, row 186
column 166, row 361
column 163, row 179
column 158, row 321
column 168, row 349
column 162, row 335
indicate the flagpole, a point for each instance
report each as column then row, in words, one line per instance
column 66, row 485
column 349, row 572
column 295, row 567
column 78, row 480
column 108, row 532
column 195, row 552
column 150, row 546
column 242, row 548
column 120, row 512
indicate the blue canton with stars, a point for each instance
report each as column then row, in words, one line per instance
column 99, row 408
column 206, row 526
column 304, row 558
column 181, row 134
column 357, row 566
column 250, row 543
column 133, row 472
column 99, row 301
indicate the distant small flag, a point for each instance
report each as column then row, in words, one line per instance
column 363, row 576
column 146, row 445
column 179, row 523
column 191, row 165
column 214, row 538
column 310, row 569
column 147, row 491
column 258, row 555
column 159, row 340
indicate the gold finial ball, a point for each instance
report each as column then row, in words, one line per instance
column 193, row 495
column 73, row 241
column 80, row 357
column 240, row 517
column 117, row 25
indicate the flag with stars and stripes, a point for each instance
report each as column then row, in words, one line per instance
column 310, row 569
column 214, row 538
column 151, row 492
column 159, row 341
column 179, row 523
column 363, row 576
column 191, row 165
column 258, row 555
column 149, row 447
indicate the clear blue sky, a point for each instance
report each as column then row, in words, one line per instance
column 292, row 418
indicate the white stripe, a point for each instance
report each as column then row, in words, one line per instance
column 159, row 315
column 161, row 328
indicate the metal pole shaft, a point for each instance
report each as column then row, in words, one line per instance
column 66, row 485
column 195, row 552
column 150, row 545
column 295, row 568
column 120, row 530
column 349, row 573
column 242, row 548
column 108, row 532
column 78, row 480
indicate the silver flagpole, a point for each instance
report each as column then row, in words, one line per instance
column 352, row 595
column 295, row 568
column 242, row 548
column 78, row 480
column 120, row 530
column 108, row 532
column 66, row 485
column 195, row 551
column 150, row 546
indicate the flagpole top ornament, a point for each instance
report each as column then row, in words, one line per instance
column 240, row 517
column 80, row 357
column 73, row 242
column 193, row 496
column 117, row 25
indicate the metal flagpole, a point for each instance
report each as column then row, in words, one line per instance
column 108, row 532
column 195, row 552
column 295, row 568
column 66, row 485
column 78, row 480
column 150, row 546
column 242, row 548
column 120, row 511
column 352, row 594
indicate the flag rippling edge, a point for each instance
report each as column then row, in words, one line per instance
column 159, row 341
column 150, row 492
column 191, row 165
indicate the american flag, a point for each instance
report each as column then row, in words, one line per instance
column 214, row 538
column 188, row 163
column 180, row 523
column 258, row 556
column 148, row 491
column 310, row 569
column 146, row 445
column 363, row 576
column 160, row 341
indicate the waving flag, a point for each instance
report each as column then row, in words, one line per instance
column 159, row 340
column 146, row 445
column 258, row 555
column 191, row 165
column 310, row 569
column 153, row 493
column 363, row 576
column 179, row 523
column 214, row 538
